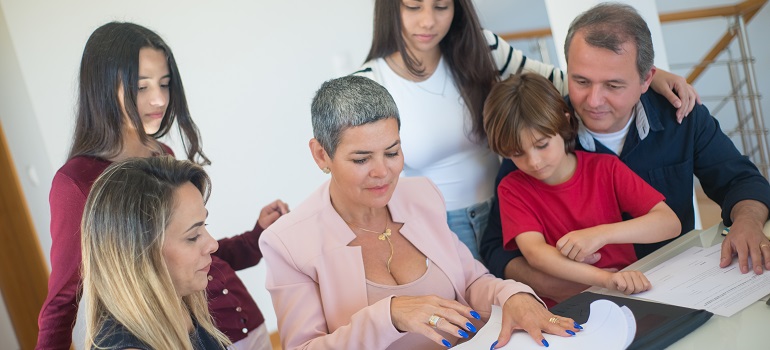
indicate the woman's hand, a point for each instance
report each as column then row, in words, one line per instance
column 523, row 311
column 272, row 212
column 670, row 85
column 414, row 314
column 629, row 282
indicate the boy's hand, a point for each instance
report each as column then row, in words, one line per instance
column 579, row 244
column 628, row 282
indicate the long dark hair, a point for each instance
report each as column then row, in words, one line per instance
column 464, row 49
column 111, row 57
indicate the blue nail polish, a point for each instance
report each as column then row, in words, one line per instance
column 470, row 327
column 570, row 332
column 545, row 343
column 475, row 315
column 578, row 326
column 446, row 343
column 462, row 333
column 493, row 345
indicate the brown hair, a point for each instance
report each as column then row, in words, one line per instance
column 111, row 59
column 464, row 49
column 526, row 101
column 609, row 26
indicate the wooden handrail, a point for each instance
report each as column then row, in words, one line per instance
column 722, row 43
column 527, row 34
column 23, row 269
column 747, row 9
column 741, row 8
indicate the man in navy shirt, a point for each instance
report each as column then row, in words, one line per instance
column 610, row 66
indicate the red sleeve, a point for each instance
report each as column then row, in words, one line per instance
column 515, row 215
column 634, row 195
column 57, row 316
column 241, row 251
column 167, row 149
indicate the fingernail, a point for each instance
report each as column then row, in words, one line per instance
column 475, row 315
column 471, row 327
column 446, row 343
column 578, row 326
column 493, row 345
column 570, row 332
column 462, row 333
column 545, row 343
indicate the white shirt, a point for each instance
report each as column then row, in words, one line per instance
column 614, row 141
column 435, row 129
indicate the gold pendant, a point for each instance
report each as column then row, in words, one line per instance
column 384, row 235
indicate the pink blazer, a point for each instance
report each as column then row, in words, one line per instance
column 317, row 281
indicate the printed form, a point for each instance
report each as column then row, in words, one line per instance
column 694, row 279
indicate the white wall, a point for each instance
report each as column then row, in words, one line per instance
column 250, row 69
column 7, row 336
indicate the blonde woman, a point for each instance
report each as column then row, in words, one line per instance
column 146, row 257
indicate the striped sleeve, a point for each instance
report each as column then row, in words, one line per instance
column 511, row 61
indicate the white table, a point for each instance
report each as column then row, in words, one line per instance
column 748, row 329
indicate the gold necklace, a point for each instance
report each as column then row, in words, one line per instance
column 383, row 236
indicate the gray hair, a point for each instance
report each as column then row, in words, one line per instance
column 610, row 25
column 346, row 102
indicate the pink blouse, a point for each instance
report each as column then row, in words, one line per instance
column 433, row 282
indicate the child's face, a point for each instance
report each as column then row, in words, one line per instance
column 543, row 157
column 152, row 94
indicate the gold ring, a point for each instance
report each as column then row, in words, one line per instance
column 433, row 320
column 764, row 245
column 554, row 320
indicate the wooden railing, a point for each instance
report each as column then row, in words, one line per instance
column 23, row 270
column 747, row 9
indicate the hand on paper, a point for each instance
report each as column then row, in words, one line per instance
column 628, row 282
column 523, row 311
column 412, row 314
column 579, row 245
column 272, row 212
column 746, row 238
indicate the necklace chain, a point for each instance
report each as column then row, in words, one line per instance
column 382, row 235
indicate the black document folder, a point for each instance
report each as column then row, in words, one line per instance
column 657, row 325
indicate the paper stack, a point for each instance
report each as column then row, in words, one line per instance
column 608, row 327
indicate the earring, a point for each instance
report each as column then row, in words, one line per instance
column 326, row 170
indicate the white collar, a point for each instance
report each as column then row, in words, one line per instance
column 642, row 127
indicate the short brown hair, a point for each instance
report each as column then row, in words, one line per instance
column 526, row 101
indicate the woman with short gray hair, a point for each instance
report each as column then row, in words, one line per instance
column 368, row 260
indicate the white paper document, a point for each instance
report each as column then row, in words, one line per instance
column 608, row 327
column 694, row 279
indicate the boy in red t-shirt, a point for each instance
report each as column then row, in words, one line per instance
column 563, row 205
